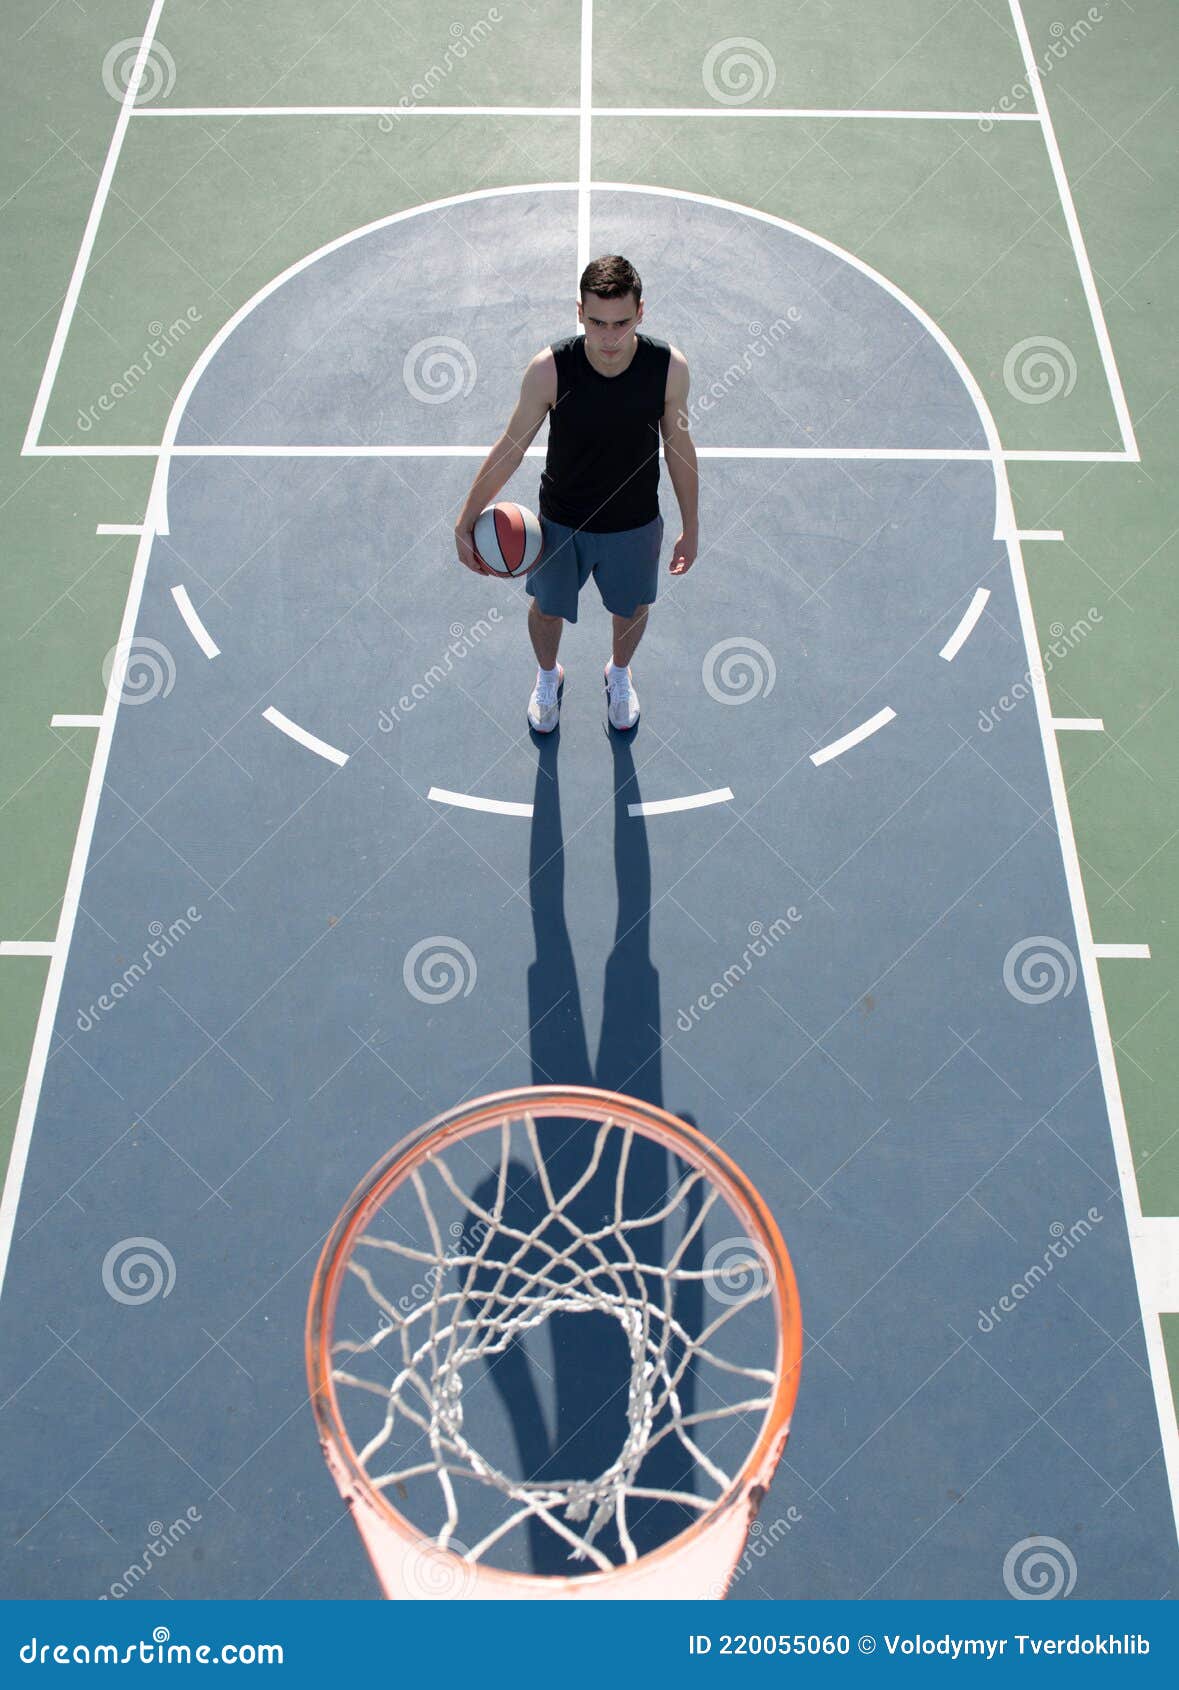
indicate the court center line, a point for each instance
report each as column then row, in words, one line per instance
column 585, row 152
column 302, row 737
column 694, row 801
column 839, row 746
column 962, row 632
column 899, row 113
column 884, row 454
column 194, row 624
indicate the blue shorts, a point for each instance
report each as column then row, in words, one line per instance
column 625, row 566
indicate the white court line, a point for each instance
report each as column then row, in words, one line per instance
column 962, row 632
column 1072, row 221
column 302, row 737
column 585, row 154
column 1078, row 724
column 119, row 528
column 1156, row 1250
column 1041, row 534
column 49, row 374
column 1139, row 953
column 75, row 721
column 694, row 801
column 839, row 746
column 465, row 801
column 886, row 454
column 595, row 111
column 27, row 947
column 194, row 624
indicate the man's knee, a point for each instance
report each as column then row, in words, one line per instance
column 541, row 615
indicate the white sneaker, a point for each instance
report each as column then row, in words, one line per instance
column 544, row 707
column 621, row 698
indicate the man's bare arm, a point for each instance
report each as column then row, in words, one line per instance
column 538, row 393
column 681, row 462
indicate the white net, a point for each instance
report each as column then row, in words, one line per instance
column 562, row 1345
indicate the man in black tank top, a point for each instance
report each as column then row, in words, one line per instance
column 610, row 394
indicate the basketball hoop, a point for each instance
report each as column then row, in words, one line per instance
column 597, row 1224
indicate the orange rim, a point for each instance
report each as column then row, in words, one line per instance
column 588, row 1102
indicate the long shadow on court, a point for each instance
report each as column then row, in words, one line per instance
column 571, row 1422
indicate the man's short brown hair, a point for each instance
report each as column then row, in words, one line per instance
column 611, row 278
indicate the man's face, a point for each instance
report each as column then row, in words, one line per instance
column 610, row 325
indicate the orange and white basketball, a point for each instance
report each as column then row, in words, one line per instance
column 508, row 540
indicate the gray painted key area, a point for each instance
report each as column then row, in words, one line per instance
column 924, row 1132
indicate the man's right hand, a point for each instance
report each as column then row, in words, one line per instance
column 464, row 539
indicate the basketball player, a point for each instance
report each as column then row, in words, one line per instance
column 608, row 395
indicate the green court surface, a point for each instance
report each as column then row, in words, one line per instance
column 123, row 227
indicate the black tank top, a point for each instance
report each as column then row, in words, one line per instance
column 602, row 468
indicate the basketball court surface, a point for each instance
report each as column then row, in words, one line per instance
column 826, row 903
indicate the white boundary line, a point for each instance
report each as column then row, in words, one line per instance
column 964, row 629
column 694, row 801
column 302, row 737
column 1006, row 527
column 75, row 721
column 839, row 746
column 194, row 624
column 49, row 374
column 1032, row 71
column 1138, row 953
column 26, row 947
column 594, row 111
column 1078, row 724
column 585, row 152
column 119, row 528
column 465, row 801
column 1041, row 534
column 1156, row 1242
column 900, row 454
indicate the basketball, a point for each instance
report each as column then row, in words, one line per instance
column 508, row 540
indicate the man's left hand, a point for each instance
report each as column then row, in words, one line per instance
column 683, row 555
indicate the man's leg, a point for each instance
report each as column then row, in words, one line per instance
column 545, row 632
column 628, row 631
